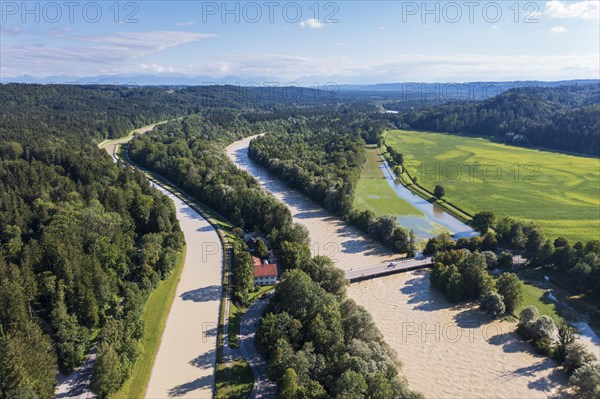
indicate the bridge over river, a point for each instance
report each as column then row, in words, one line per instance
column 400, row 266
column 386, row 269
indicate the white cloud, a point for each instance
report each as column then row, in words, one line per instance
column 558, row 29
column 381, row 28
column 10, row 30
column 312, row 23
column 187, row 23
column 586, row 9
column 156, row 68
column 340, row 43
column 140, row 44
column 415, row 67
column 91, row 53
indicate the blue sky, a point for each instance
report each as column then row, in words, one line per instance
column 343, row 41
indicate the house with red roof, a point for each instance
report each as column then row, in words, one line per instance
column 265, row 273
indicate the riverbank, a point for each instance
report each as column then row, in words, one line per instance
column 468, row 354
column 559, row 192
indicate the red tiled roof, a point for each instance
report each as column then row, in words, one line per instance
column 269, row 270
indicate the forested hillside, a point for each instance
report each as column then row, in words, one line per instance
column 102, row 112
column 82, row 243
column 564, row 118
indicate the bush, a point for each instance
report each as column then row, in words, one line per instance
column 545, row 346
column 586, row 381
column 493, row 304
column 576, row 356
column 505, row 260
column 491, row 260
column 543, row 328
column 566, row 336
column 527, row 318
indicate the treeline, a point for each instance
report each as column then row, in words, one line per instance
column 109, row 111
column 564, row 118
column 82, row 243
column 579, row 262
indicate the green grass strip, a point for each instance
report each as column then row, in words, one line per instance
column 155, row 316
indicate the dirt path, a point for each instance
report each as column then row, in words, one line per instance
column 263, row 387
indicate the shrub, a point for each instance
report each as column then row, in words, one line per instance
column 544, row 328
column 493, row 304
column 586, row 381
column 505, row 260
column 576, row 356
column 545, row 346
column 527, row 318
column 491, row 260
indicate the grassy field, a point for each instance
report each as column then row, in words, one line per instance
column 154, row 317
column 233, row 380
column 375, row 194
column 559, row 192
column 533, row 295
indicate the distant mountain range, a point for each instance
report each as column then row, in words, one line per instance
column 140, row 80
column 448, row 91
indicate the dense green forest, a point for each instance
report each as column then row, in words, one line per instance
column 564, row 118
column 322, row 156
column 109, row 111
column 190, row 154
column 83, row 242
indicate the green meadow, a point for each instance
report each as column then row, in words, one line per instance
column 559, row 192
column 374, row 193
